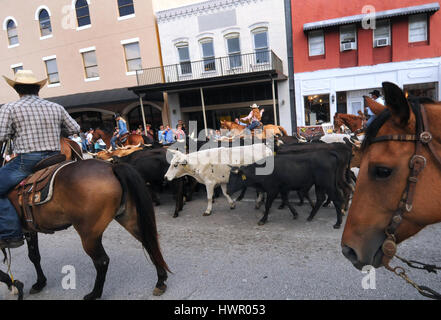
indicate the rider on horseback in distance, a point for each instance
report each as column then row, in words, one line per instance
column 34, row 126
column 255, row 117
column 122, row 129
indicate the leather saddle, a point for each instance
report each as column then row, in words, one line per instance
column 122, row 139
column 36, row 189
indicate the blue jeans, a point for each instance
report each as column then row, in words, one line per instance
column 113, row 142
column 253, row 125
column 11, row 175
column 371, row 119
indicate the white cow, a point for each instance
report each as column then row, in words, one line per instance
column 212, row 167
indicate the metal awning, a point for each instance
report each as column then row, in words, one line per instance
column 425, row 8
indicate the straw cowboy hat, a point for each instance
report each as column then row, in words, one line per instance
column 254, row 106
column 25, row 77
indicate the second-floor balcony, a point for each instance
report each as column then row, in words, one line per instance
column 234, row 64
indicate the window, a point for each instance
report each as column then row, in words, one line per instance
column 52, row 71
column 418, row 28
column 125, row 7
column 17, row 67
column 261, row 45
column 317, row 110
column 348, row 38
column 316, row 40
column 90, row 64
column 233, row 46
column 83, row 15
column 12, row 33
column 382, row 34
column 184, row 58
column 133, row 56
column 45, row 23
column 208, row 55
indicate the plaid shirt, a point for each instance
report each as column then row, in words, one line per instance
column 34, row 124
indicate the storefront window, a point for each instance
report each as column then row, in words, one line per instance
column 152, row 116
column 317, row 109
column 427, row 90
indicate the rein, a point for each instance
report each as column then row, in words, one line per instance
column 422, row 138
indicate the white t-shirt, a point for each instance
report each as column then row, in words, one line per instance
column 380, row 100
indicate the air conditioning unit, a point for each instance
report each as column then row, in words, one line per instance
column 348, row 46
column 382, row 42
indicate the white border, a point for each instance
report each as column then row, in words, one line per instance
column 133, row 40
column 129, row 16
column 87, row 26
column 49, row 57
column 37, row 12
column 87, row 49
column 46, row 37
column 91, row 79
column 7, row 19
column 16, row 65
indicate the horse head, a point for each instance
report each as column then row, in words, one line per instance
column 383, row 178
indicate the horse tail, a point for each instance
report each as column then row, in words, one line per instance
column 133, row 185
column 283, row 131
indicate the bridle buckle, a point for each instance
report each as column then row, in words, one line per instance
column 418, row 159
column 426, row 137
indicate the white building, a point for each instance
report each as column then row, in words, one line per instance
column 231, row 53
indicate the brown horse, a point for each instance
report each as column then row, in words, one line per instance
column 270, row 129
column 351, row 121
column 132, row 139
column 118, row 193
column 380, row 210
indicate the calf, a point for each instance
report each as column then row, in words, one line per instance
column 293, row 172
column 212, row 167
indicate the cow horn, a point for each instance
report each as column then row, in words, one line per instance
column 92, row 154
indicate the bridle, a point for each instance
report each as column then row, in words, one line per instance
column 423, row 138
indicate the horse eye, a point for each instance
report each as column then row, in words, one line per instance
column 382, row 172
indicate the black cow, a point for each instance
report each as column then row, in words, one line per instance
column 344, row 155
column 297, row 171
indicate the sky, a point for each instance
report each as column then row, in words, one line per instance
column 167, row 4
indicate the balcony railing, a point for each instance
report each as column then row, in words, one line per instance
column 211, row 67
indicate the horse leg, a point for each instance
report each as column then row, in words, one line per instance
column 230, row 201
column 34, row 256
column 94, row 248
column 4, row 277
column 6, row 280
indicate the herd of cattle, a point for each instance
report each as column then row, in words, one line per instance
column 272, row 168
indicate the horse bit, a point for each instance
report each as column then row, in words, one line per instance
column 417, row 164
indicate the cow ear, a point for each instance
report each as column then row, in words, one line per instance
column 376, row 107
column 397, row 103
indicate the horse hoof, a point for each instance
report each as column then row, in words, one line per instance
column 91, row 296
column 17, row 289
column 37, row 288
column 159, row 291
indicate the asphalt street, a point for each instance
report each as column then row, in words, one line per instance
column 226, row 256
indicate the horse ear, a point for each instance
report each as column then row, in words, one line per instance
column 376, row 107
column 397, row 102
